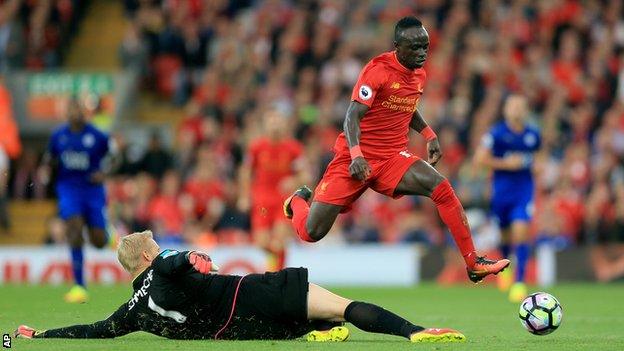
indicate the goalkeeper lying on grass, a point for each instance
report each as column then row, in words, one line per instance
column 178, row 295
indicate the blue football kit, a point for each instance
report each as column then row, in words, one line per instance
column 512, row 191
column 79, row 155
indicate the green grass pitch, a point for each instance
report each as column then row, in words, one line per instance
column 593, row 319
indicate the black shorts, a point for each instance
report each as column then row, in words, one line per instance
column 271, row 306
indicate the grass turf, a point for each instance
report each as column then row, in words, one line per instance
column 592, row 320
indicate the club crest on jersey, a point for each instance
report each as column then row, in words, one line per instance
column 530, row 140
column 88, row 140
column 365, row 92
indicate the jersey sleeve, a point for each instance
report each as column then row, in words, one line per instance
column 103, row 143
column 369, row 82
column 119, row 323
column 171, row 262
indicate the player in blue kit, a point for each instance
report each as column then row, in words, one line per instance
column 508, row 150
column 76, row 150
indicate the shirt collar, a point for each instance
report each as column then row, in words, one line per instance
column 399, row 65
column 137, row 281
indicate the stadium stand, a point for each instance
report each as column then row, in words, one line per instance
column 224, row 62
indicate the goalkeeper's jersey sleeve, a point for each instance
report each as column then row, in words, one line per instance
column 118, row 324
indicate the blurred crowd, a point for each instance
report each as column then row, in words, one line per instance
column 33, row 33
column 226, row 62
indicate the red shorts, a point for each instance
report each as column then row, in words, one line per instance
column 264, row 214
column 338, row 187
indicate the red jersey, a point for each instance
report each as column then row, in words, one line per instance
column 391, row 91
column 271, row 162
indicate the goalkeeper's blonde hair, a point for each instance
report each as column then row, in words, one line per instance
column 130, row 248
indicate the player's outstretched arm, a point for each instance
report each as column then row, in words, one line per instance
column 419, row 124
column 44, row 171
column 359, row 168
column 118, row 324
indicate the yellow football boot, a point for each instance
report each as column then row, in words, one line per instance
column 335, row 334
column 504, row 280
column 438, row 335
column 77, row 294
column 518, row 292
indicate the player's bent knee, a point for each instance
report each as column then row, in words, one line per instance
column 316, row 233
column 98, row 239
column 99, row 244
column 75, row 241
column 74, row 237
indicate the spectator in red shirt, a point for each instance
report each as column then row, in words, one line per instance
column 204, row 186
column 165, row 211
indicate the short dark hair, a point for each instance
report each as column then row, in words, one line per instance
column 404, row 23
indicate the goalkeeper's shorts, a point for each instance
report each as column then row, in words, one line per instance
column 270, row 306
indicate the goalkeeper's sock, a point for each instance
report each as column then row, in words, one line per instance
column 522, row 257
column 452, row 214
column 374, row 319
column 77, row 265
column 300, row 209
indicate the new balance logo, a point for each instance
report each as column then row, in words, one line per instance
column 395, row 85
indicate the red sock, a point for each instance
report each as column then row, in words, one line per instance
column 300, row 210
column 452, row 214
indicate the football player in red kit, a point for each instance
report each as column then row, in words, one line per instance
column 372, row 151
column 272, row 168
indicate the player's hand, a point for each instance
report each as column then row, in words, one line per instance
column 97, row 177
column 202, row 262
column 359, row 168
column 25, row 332
column 434, row 152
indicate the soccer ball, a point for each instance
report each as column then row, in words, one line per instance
column 541, row 313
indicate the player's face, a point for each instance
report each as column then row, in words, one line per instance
column 412, row 46
column 74, row 113
column 274, row 125
column 515, row 109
